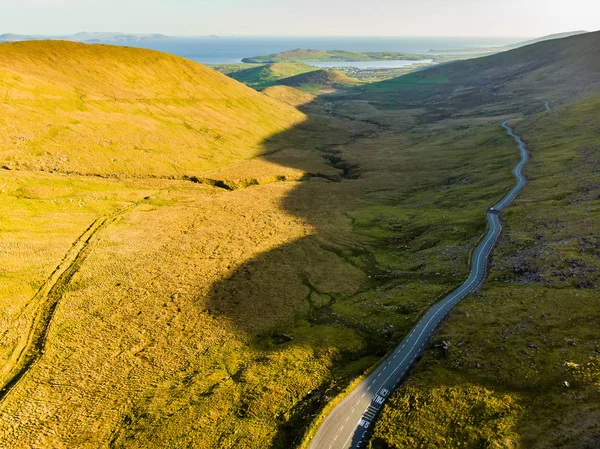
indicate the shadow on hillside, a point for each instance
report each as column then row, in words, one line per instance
column 266, row 288
column 267, row 296
column 276, row 298
column 267, row 293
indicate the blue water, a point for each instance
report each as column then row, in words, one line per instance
column 233, row 49
column 386, row 64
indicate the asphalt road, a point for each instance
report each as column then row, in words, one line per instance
column 350, row 422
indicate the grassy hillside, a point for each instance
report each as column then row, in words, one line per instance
column 228, row 69
column 319, row 80
column 302, row 55
column 173, row 331
column 270, row 74
column 117, row 111
column 523, row 368
column 289, row 95
column 554, row 63
column 554, row 70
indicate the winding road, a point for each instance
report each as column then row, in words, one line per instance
column 350, row 422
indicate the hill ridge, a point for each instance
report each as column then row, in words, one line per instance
column 126, row 112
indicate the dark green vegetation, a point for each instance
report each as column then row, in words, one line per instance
column 523, row 364
column 300, row 76
column 319, row 80
column 301, row 55
column 207, row 317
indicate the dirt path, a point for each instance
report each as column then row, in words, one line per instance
column 31, row 347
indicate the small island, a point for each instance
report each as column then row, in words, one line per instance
column 303, row 55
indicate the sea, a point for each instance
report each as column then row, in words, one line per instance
column 232, row 49
column 385, row 64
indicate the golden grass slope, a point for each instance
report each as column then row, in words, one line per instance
column 289, row 95
column 114, row 111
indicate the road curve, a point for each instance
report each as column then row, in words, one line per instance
column 350, row 422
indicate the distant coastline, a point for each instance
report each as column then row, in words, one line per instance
column 213, row 49
column 232, row 49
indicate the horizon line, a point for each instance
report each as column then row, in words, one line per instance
column 284, row 35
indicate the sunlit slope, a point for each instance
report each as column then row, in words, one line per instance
column 107, row 110
column 289, row 95
column 270, row 74
column 318, row 80
column 300, row 76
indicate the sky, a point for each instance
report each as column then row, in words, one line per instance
column 302, row 17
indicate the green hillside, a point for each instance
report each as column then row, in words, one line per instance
column 552, row 63
column 516, row 365
column 554, row 68
column 122, row 111
column 319, row 80
column 228, row 69
column 522, row 368
column 302, row 55
column 270, row 74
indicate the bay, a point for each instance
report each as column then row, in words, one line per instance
column 232, row 49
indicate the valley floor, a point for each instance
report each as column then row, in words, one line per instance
column 183, row 327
